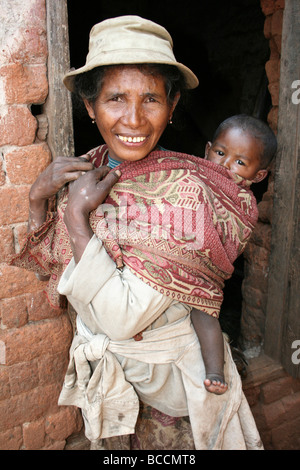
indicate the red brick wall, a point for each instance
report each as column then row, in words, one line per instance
column 274, row 398
column 273, row 395
column 256, row 255
column 34, row 338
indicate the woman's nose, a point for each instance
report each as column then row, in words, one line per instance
column 134, row 116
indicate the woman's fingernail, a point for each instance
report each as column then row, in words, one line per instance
column 118, row 173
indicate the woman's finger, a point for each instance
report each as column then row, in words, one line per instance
column 109, row 180
column 101, row 172
column 104, row 186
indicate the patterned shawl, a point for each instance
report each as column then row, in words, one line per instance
column 178, row 222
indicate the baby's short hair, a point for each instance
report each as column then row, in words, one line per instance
column 255, row 127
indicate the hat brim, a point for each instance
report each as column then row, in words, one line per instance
column 119, row 58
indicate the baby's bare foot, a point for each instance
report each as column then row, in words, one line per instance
column 215, row 383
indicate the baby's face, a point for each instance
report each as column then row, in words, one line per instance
column 239, row 152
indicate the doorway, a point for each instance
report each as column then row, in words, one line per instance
column 223, row 43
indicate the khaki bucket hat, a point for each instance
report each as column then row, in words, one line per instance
column 129, row 39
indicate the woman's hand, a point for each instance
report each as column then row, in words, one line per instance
column 90, row 190
column 61, row 171
column 85, row 195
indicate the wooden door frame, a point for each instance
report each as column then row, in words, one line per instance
column 282, row 331
column 58, row 106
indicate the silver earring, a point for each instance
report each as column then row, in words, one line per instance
column 170, row 121
column 93, row 121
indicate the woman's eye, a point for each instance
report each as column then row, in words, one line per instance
column 116, row 99
column 220, row 153
column 150, row 99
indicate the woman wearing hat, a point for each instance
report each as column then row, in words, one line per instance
column 136, row 369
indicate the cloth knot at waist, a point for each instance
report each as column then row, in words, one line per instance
column 94, row 350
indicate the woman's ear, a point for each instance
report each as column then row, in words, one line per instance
column 207, row 149
column 260, row 175
column 174, row 104
column 89, row 108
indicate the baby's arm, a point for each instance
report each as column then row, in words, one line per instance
column 211, row 341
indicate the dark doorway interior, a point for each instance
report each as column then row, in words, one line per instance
column 223, row 43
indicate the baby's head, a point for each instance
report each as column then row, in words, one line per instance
column 245, row 145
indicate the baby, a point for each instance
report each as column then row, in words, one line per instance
column 245, row 146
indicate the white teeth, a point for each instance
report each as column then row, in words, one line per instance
column 131, row 139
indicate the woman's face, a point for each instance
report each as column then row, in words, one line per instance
column 131, row 112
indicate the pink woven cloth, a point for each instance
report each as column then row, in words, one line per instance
column 177, row 221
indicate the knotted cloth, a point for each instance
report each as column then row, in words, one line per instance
column 110, row 404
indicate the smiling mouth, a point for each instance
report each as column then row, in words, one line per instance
column 134, row 140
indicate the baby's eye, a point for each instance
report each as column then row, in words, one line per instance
column 220, row 153
column 239, row 162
